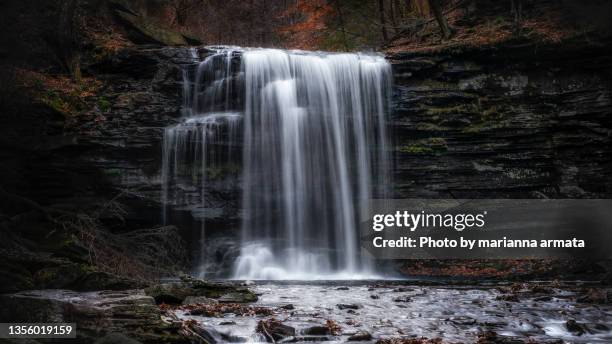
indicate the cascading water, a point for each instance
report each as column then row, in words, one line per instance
column 202, row 142
column 314, row 150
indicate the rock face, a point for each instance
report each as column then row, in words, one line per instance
column 503, row 122
column 496, row 122
column 96, row 314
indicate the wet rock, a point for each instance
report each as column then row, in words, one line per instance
column 541, row 289
column 177, row 292
column 203, row 335
column 490, row 337
column 190, row 300
column 599, row 296
column 344, row 306
column 171, row 293
column 302, row 339
column 222, row 309
column 95, row 313
column 100, row 280
column 317, row 331
column 575, row 328
column 243, row 296
column 360, row 336
column 342, row 288
column 402, row 340
column 374, row 297
column 274, row 330
column 508, row 298
column 462, row 320
column 402, row 299
column 227, row 323
column 288, row 307
column 601, row 327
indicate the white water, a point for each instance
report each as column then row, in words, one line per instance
column 314, row 148
column 202, row 142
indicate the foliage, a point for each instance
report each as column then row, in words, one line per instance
column 309, row 23
column 219, row 310
column 410, row 341
column 426, row 146
column 65, row 95
column 334, row 328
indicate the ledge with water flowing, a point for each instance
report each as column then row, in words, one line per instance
column 312, row 127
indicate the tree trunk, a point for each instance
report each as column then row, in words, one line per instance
column 399, row 9
column 393, row 12
column 436, row 8
column 68, row 39
column 383, row 21
column 517, row 11
column 341, row 22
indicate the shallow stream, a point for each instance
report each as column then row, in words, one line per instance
column 453, row 313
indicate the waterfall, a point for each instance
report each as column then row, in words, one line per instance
column 314, row 151
column 202, row 143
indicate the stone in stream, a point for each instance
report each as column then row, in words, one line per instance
column 575, row 328
column 360, row 336
column 177, row 292
column 243, row 296
column 274, row 330
column 344, row 306
column 317, row 331
column 599, row 296
column 402, row 299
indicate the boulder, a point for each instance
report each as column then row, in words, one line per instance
column 595, row 295
column 575, row 328
column 198, row 300
column 275, row 330
column 243, row 296
column 360, row 336
column 141, row 30
column 177, row 292
column 97, row 314
column 317, row 331
column 344, row 306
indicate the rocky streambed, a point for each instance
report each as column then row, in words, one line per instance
column 398, row 313
column 382, row 312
